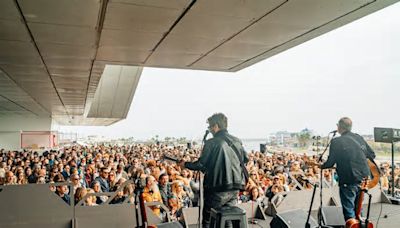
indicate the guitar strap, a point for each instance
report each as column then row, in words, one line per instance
column 234, row 148
column 365, row 152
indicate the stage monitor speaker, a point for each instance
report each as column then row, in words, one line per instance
column 333, row 216
column 191, row 217
column 386, row 135
column 170, row 225
column 263, row 148
column 292, row 219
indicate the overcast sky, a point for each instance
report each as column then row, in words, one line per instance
column 352, row 71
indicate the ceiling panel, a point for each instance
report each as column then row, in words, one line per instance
column 17, row 48
column 201, row 30
column 186, row 44
column 209, row 26
column 125, row 55
column 220, row 63
column 14, row 69
column 246, row 10
column 287, row 22
column 138, row 40
column 74, row 35
column 20, row 60
column 8, row 10
column 68, row 63
column 239, row 50
column 170, row 4
column 19, row 99
column 73, row 73
column 13, row 30
column 72, row 81
column 139, row 18
column 269, row 34
column 31, row 78
column 173, row 60
column 63, row 12
column 68, row 51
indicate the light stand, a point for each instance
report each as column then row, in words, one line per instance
column 392, row 170
column 388, row 135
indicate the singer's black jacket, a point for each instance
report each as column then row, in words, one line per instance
column 220, row 163
column 349, row 152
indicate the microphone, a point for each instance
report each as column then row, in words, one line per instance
column 205, row 135
column 333, row 132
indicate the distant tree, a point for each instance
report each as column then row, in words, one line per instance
column 304, row 138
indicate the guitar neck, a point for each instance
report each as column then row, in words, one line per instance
column 169, row 158
column 359, row 205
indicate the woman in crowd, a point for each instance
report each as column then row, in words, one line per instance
column 179, row 199
column 79, row 194
column 255, row 195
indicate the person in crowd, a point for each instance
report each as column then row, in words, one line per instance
column 255, row 195
column 121, row 173
column 91, row 200
column 112, row 180
column 164, row 187
column 62, row 190
column 103, row 179
column 179, row 198
column 79, row 194
column 10, row 178
column 97, row 189
column 152, row 194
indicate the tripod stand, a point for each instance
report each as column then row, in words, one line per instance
column 320, row 225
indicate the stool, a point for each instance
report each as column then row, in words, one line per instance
column 221, row 216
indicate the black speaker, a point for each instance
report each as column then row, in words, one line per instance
column 263, row 149
column 333, row 216
column 292, row 219
column 189, row 145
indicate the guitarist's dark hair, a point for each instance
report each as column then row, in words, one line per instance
column 218, row 119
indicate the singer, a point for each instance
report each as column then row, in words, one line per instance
column 349, row 152
column 222, row 161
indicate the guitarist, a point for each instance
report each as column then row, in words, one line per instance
column 349, row 152
column 222, row 160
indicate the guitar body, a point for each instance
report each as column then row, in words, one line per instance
column 354, row 223
column 374, row 173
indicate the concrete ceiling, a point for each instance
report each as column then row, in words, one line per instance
column 53, row 53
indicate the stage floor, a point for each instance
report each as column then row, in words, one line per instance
column 388, row 214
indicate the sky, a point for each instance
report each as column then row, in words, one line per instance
column 352, row 71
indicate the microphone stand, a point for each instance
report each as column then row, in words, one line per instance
column 201, row 190
column 308, row 225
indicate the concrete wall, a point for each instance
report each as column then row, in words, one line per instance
column 10, row 140
column 11, row 127
column 21, row 123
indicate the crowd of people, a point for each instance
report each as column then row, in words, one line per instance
column 141, row 170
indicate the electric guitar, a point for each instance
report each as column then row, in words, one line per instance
column 373, row 167
column 170, row 158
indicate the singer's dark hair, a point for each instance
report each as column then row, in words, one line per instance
column 218, row 119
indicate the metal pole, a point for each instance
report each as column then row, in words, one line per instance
column 393, row 169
